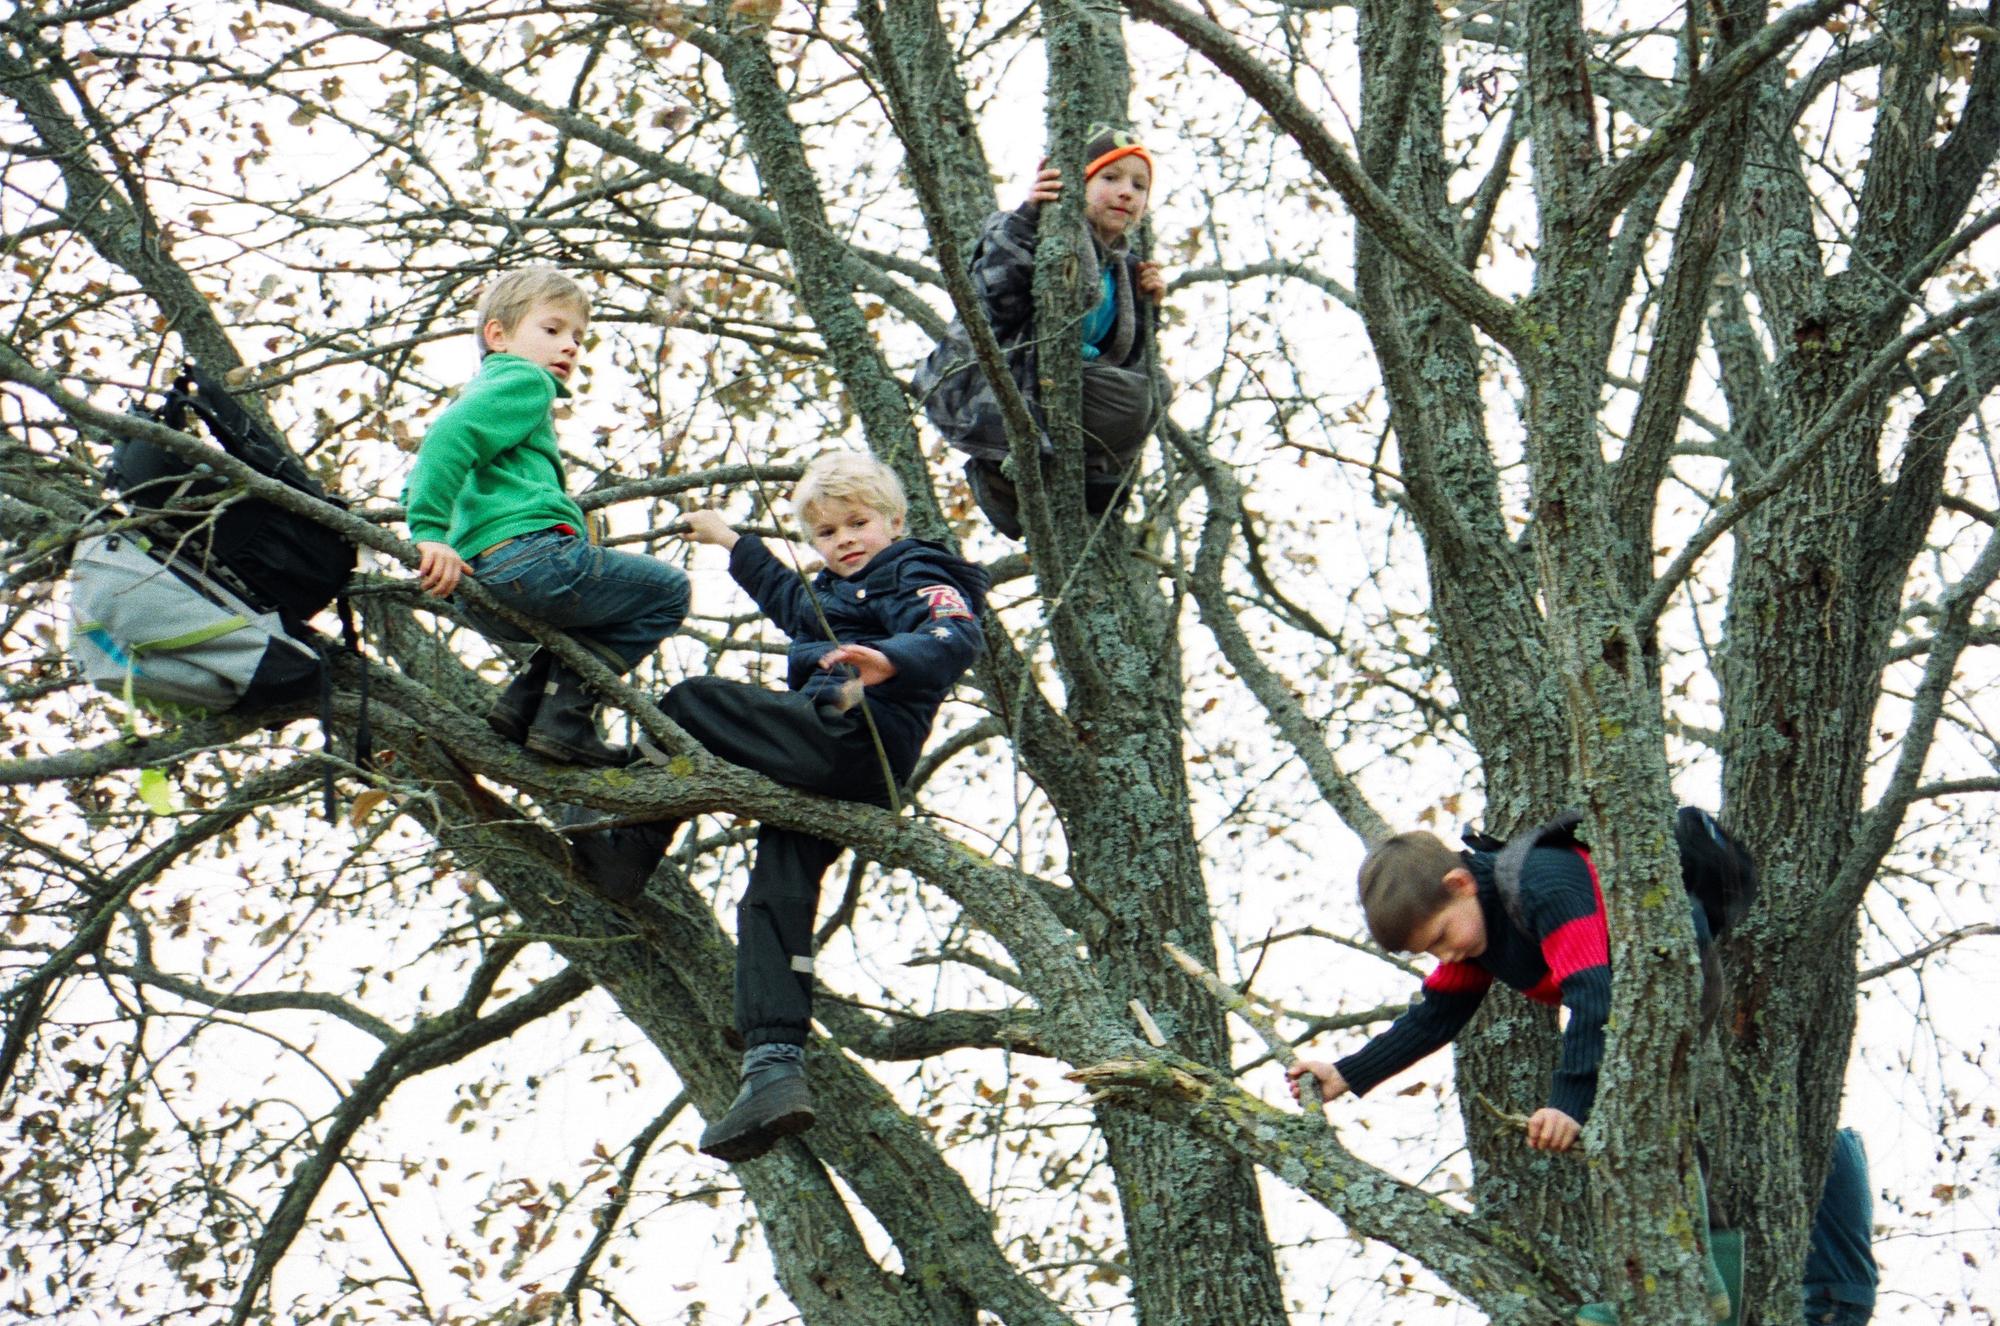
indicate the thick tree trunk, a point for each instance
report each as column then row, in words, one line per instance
column 1194, row 1221
column 1806, row 649
column 1483, row 605
column 1199, row 1248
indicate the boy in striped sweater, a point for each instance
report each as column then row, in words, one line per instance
column 1419, row 896
column 1542, row 931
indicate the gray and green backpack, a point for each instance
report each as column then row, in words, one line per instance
column 150, row 626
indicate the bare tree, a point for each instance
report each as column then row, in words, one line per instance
column 1565, row 416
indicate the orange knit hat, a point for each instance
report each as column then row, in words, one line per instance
column 1107, row 145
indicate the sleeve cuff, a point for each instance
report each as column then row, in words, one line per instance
column 1363, row 1071
column 1573, row 1097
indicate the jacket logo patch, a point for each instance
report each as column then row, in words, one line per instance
column 945, row 601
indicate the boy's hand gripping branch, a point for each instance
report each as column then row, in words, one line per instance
column 439, row 569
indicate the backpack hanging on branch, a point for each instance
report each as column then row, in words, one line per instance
column 279, row 561
column 212, row 613
column 151, row 627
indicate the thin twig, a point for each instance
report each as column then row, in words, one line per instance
column 1235, row 1001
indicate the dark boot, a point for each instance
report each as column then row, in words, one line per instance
column 515, row 709
column 774, row 1104
column 565, row 727
column 618, row 861
column 996, row 495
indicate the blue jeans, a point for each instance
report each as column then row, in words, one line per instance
column 621, row 603
column 1828, row 1312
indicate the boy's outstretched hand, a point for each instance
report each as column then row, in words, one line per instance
column 1152, row 281
column 1331, row 1083
column 872, row 666
column 439, row 569
column 707, row 526
column 1549, row 1129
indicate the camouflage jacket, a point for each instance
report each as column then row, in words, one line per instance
column 955, row 393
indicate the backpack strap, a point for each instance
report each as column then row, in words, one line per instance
column 364, row 739
column 173, row 410
column 350, row 638
column 1716, row 872
column 237, row 432
column 1511, row 858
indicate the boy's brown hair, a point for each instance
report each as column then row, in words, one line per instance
column 513, row 296
column 1402, row 886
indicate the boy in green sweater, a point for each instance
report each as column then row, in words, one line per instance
column 487, row 499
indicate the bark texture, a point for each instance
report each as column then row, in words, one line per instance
column 1621, row 287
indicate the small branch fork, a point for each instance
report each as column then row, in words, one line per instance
column 1490, row 1265
column 1162, row 1076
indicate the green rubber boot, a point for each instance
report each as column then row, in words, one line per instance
column 1725, row 1248
column 1722, row 1269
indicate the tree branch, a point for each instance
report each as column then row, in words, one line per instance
column 257, row 1001
column 1490, row 1267
column 1937, row 945
column 1280, row 702
column 607, row 1216
column 1373, row 208
column 431, row 1044
column 1832, row 419
column 856, row 270
column 1876, row 832
column 29, row 995
column 1720, row 84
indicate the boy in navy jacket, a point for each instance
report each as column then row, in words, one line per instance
column 878, row 640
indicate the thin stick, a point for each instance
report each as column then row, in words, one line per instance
column 1517, row 1120
column 1236, row 1002
column 1147, row 1025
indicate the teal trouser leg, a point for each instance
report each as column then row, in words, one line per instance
column 1726, row 1245
column 1722, row 1300
column 1722, row 1272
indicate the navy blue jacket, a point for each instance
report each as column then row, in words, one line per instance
column 916, row 601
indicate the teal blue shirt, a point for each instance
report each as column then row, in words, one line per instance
column 488, row 468
column 1097, row 322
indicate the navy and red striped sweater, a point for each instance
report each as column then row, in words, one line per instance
column 1564, row 958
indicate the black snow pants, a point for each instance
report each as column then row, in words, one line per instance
column 804, row 742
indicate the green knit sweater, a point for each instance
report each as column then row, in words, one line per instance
column 488, row 468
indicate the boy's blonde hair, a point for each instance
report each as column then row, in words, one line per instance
column 511, row 297
column 1402, row 886
column 850, row 476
